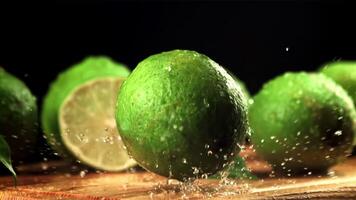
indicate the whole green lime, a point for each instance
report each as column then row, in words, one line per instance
column 181, row 115
column 343, row 73
column 90, row 68
column 18, row 116
column 302, row 123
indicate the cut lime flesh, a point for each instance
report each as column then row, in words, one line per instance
column 88, row 127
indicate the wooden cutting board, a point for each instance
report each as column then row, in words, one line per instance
column 144, row 185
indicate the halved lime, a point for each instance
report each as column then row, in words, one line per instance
column 90, row 68
column 88, row 127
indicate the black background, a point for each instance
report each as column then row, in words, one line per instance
column 38, row 40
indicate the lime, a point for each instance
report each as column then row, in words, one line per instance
column 181, row 115
column 241, row 84
column 343, row 73
column 18, row 116
column 89, row 69
column 243, row 87
column 302, row 123
column 88, row 128
column 247, row 95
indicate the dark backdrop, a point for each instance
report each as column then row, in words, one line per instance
column 255, row 40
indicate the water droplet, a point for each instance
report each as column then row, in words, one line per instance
column 82, row 173
column 207, row 146
column 195, row 170
column 108, row 139
column 222, row 94
column 184, row 161
column 272, row 137
column 338, row 133
column 298, row 134
column 15, row 136
column 327, row 157
column 180, row 128
column 151, row 195
column 156, row 166
column 169, row 68
column 283, row 163
column 204, row 176
column 262, row 141
column 82, row 138
column 331, row 173
column 44, row 166
column 287, row 49
column 331, row 149
column 206, row 103
column 210, row 153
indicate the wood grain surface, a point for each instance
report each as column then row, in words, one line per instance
column 339, row 184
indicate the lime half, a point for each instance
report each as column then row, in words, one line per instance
column 88, row 127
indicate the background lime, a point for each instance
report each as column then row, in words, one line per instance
column 89, row 69
column 18, row 117
column 343, row 73
column 302, row 122
column 181, row 115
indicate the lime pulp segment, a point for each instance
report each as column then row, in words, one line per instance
column 88, row 127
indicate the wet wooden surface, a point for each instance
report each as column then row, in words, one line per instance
column 144, row 185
